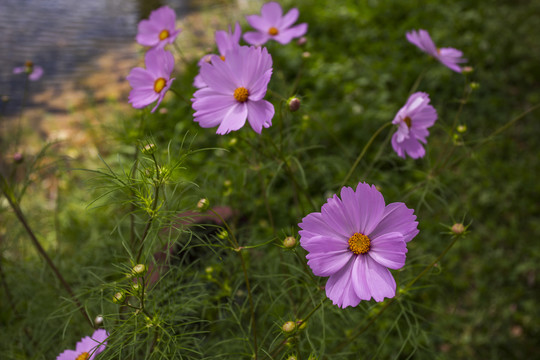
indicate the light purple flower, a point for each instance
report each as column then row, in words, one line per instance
column 35, row 72
column 449, row 57
column 272, row 25
column 413, row 120
column 152, row 83
column 225, row 41
column 159, row 30
column 355, row 240
column 87, row 348
column 235, row 91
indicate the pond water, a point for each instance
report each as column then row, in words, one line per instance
column 66, row 36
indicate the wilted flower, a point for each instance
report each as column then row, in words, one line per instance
column 354, row 240
column 87, row 348
column 159, row 30
column 413, row 120
column 235, row 91
column 272, row 25
column 152, row 83
column 449, row 57
column 225, row 41
column 35, row 72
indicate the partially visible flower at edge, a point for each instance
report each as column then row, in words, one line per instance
column 35, row 72
column 272, row 25
column 160, row 28
column 87, row 348
column 449, row 57
column 355, row 240
column 413, row 120
column 152, row 83
column 225, row 41
column 235, row 91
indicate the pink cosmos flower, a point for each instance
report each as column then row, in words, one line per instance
column 225, row 41
column 413, row 120
column 159, row 30
column 152, row 83
column 235, row 91
column 449, row 57
column 355, row 240
column 272, row 25
column 87, row 348
column 35, row 72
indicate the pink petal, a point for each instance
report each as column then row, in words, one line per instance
column 218, row 78
column 259, row 23
column 340, row 288
column 314, row 224
column 321, row 243
column 333, row 215
column 358, row 278
column 256, row 38
column 36, row 73
column 68, row 355
column 19, row 69
column 328, row 263
column 234, row 119
column 272, row 12
column 352, row 209
column 289, row 18
column 140, row 98
column 371, row 207
column 260, row 113
column 397, row 218
column 139, row 78
column 286, row 35
column 380, row 281
column 389, row 250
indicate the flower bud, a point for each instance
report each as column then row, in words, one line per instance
column 149, row 149
column 458, row 228
column 294, row 104
column 292, row 357
column 233, row 141
column 223, row 234
column 203, row 204
column 136, row 287
column 288, row 326
column 474, row 85
column 461, row 128
column 306, row 54
column 98, row 320
column 18, row 158
column 139, row 270
column 301, row 41
column 467, row 70
column 119, row 297
column 301, row 324
column 289, row 242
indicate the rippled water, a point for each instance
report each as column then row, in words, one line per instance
column 66, row 36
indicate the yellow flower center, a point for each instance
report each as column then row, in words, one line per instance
column 407, row 121
column 83, row 356
column 163, row 34
column 241, row 94
column 273, row 31
column 359, row 243
column 29, row 64
column 222, row 57
column 159, row 85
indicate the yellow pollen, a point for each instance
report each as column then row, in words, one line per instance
column 241, row 94
column 359, row 243
column 163, row 34
column 222, row 57
column 407, row 121
column 83, row 356
column 273, row 31
column 29, row 64
column 159, row 85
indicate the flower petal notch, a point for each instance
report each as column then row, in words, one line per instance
column 412, row 121
column 449, row 57
column 160, row 28
column 225, row 41
column 273, row 25
column 235, row 91
column 354, row 241
column 87, row 348
column 152, row 83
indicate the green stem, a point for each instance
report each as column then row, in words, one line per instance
column 363, row 152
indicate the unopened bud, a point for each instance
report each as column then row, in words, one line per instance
column 467, row 69
column 288, row 326
column 139, row 270
column 98, row 320
column 203, row 204
column 461, row 128
column 306, row 54
column 474, row 85
column 301, row 324
column 289, row 242
column 223, row 234
column 136, row 287
column 301, row 41
column 233, row 141
column 18, row 158
column 119, row 297
column 458, row 228
column 163, row 110
column 294, row 104
column 292, row 357
column 149, row 149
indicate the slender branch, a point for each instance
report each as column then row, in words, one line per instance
column 37, row 244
